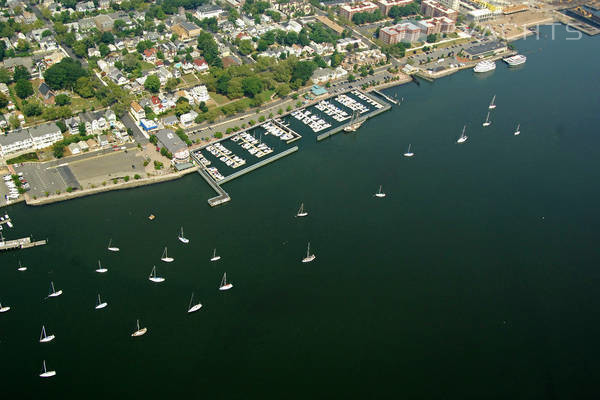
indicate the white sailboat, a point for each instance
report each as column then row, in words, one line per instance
column 45, row 373
column 139, row 331
column 195, row 307
column 53, row 291
column 4, row 309
column 518, row 131
column 463, row 138
column 44, row 337
column 492, row 104
column 182, row 238
column 100, row 304
column 224, row 285
column 487, row 120
column 165, row 257
column 21, row 268
column 154, row 278
column 215, row 257
column 111, row 247
column 408, row 152
column 380, row 192
column 309, row 257
column 301, row 212
column 100, row 268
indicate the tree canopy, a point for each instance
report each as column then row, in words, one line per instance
column 64, row 74
column 152, row 84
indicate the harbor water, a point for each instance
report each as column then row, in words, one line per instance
column 475, row 278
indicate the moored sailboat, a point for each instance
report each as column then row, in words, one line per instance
column 380, row 192
column 165, row 257
column 4, row 309
column 492, row 103
column 408, row 152
column 53, row 291
column 195, row 307
column 100, row 268
column 224, row 285
column 44, row 337
column 487, row 120
column 45, row 373
column 301, row 212
column 139, row 331
column 21, row 267
column 111, row 247
column 182, row 238
column 309, row 257
column 215, row 257
column 100, row 304
column 154, row 278
column 463, row 138
column 518, row 131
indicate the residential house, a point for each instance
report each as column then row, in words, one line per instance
column 45, row 135
column 187, row 119
column 137, row 111
column 74, row 148
column 46, row 93
column 4, row 89
column 149, row 55
column 15, row 142
column 85, row 6
column 72, row 125
column 94, row 121
column 103, row 4
column 323, row 75
column 86, row 24
column 104, row 23
column 200, row 65
column 170, row 120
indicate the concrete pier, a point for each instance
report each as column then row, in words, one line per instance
column 222, row 196
column 23, row 243
column 385, row 96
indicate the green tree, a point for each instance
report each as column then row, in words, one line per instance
column 64, row 74
column 84, row 87
column 245, row 47
column 152, row 84
column 3, row 101
column 252, row 86
column 4, row 75
column 62, row 100
column 23, row 89
column 21, row 73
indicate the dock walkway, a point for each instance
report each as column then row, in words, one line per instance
column 385, row 96
column 23, row 243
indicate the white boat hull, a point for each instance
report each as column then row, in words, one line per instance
column 101, row 270
column 22, row 269
column 47, row 339
column 492, row 107
column 304, row 214
column 4, row 309
column 226, row 287
column 486, row 124
column 517, row 133
column 409, row 154
column 462, row 139
column 380, row 195
column 309, row 258
column 139, row 332
column 167, row 259
column 156, row 280
column 113, row 249
column 216, row 258
column 55, row 294
column 101, row 306
column 195, row 308
column 47, row 374
column 183, row 240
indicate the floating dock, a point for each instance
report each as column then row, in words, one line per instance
column 222, row 196
column 23, row 243
column 385, row 96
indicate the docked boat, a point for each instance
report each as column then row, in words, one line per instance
column 111, row 247
column 408, row 152
column 492, row 103
column 515, row 60
column 154, row 278
column 485, row 66
column 100, row 268
column 380, row 193
column 353, row 125
column 100, row 304
column 182, row 238
column 53, row 291
column 139, row 331
column 195, row 307
column 309, row 257
column 45, row 373
column 215, row 257
column 487, row 121
column 301, row 212
column 21, row 267
column 44, row 337
column 165, row 257
column 463, row 138
column 518, row 131
column 4, row 309
column 224, row 285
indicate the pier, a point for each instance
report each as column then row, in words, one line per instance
column 286, row 129
column 385, row 96
column 222, row 196
column 5, row 221
column 23, row 243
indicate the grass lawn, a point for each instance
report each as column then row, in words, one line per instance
column 79, row 103
column 23, row 158
column 189, row 79
column 219, row 98
column 146, row 66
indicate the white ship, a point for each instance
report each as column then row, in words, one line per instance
column 485, row 66
column 515, row 60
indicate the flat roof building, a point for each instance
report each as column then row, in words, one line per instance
column 348, row 10
column 174, row 145
column 386, row 5
column 431, row 8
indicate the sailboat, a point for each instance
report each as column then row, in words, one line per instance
column 215, row 257
column 309, row 257
column 101, row 269
column 100, row 304
column 463, row 138
column 111, row 247
column 21, row 268
column 380, row 192
column 518, row 131
column 408, row 152
column 4, row 309
column 353, row 125
column 492, row 104
column 165, row 257
column 182, row 238
column 54, row 292
column 224, row 285
column 301, row 212
column 44, row 337
column 139, row 331
column 154, row 278
column 45, row 373
column 487, row 120
column 195, row 307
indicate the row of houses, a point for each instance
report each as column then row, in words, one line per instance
column 29, row 139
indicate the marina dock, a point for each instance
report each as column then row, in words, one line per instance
column 23, row 243
column 385, row 96
column 222, row 196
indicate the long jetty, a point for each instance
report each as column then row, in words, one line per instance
column 385, row 96
column 222, row 196
column 23, row 243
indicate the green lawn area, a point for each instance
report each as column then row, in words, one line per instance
column 189, row 79
column 218, row 98
column 146, row 66
column 23, row 158
column 79, row 103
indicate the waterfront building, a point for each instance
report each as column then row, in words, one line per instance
column 386, row 5
column 431, row 8
column 404, row 32
column 45, row 135
column 485, row 50
column 15, row 142
column 348, row 10
column 323, row 75
column 174, row 145
column 479, row 15
column 34, row 138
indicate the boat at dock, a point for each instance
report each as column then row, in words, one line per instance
column 485, row 66
column 4, row 309
column 165, row 257
column 111, row 247
column 45, row 373
column 408, row 152
column 101, row 269
column 492, row 103
column 215, row 257
column 21, row 267
column 195, row 307
column 44, row 337
column 139, row 331
column 182, row 238
column 354, row 124
column 224, row 285
column 309, row 257
column 463, row 138
column 515, row 60
column 53, row 291
column 301, row 212
column 100, row 304
column 380, row 193
column 487, row 121
column 154, row 278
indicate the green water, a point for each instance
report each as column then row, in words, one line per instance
column 477, row 277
